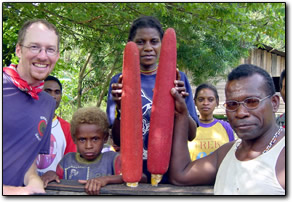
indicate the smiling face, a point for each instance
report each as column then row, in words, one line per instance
column 33, row 67
column 250, row 124
column 89, row 141
column 206, row 103
column 149, row 43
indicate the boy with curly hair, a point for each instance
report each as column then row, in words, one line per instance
column 90, row 130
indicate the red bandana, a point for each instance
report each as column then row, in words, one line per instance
column 22, row 84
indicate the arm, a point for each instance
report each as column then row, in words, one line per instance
column 93, row 186
column 280, row 169
column 33, row 181
column 181, row 88
column 50, row 176
column 33, row 184
column 181, row 170
column 114, row 104
column 116, row 132
column 192, row 129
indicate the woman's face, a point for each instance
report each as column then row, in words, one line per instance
column 206, row 102
column 149, row 44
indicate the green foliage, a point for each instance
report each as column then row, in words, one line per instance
column 210, row 38
column 9, row 43
column 220, row 117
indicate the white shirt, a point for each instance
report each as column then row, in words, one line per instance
column 46, row 162
column 253, row 177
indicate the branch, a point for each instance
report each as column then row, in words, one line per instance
column 72, row 21
column 90, row 70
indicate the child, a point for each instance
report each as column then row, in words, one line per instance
column 90, row 130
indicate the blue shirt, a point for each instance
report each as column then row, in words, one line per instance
column 26, row 130
column 147, row 86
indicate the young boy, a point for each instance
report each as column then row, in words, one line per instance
column 90, row 130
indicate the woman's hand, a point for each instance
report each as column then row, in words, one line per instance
column 180, row 85
column 117, row 92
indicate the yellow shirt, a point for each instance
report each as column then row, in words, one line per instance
column 210, row 137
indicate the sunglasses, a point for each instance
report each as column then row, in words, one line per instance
column 249, row 103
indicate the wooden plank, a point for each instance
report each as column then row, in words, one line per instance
column 265, row 60
column 274, row 65
column 248, row 59
column 278, row 67
column 258, row 57
column 262, row 58
column 72, row 187
column 269, row 63
column 252, row 56
column 66, row 185
column 282, row 64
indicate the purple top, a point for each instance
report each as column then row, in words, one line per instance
column 26, row 130
column 225, row 124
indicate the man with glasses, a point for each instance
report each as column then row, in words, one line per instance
column 27, row 111
column 252, row 165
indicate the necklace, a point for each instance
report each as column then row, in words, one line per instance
column 206, row 120
column 274, row 139
column 148, row 71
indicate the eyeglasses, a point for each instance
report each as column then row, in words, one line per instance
column 249, row 103
column 37, row 50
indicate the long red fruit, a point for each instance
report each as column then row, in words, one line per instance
column 162, row 112
column 131, row 117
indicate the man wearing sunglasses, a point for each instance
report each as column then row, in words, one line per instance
column 252, row 165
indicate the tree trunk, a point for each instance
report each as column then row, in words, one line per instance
column 80, row 80
column 106, row 83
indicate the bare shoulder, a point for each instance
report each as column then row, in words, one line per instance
column 280, row 166
column 222, row 151
column 216, row 157
column 281, row 158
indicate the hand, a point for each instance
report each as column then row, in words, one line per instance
column 117, row 91
column 28, row 190
column 93, row 186
column 180, row 104
column 50, row 176
column 180, row 85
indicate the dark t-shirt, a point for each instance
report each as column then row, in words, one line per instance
column 74, row 167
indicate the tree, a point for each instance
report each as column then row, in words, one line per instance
column 211, row 37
